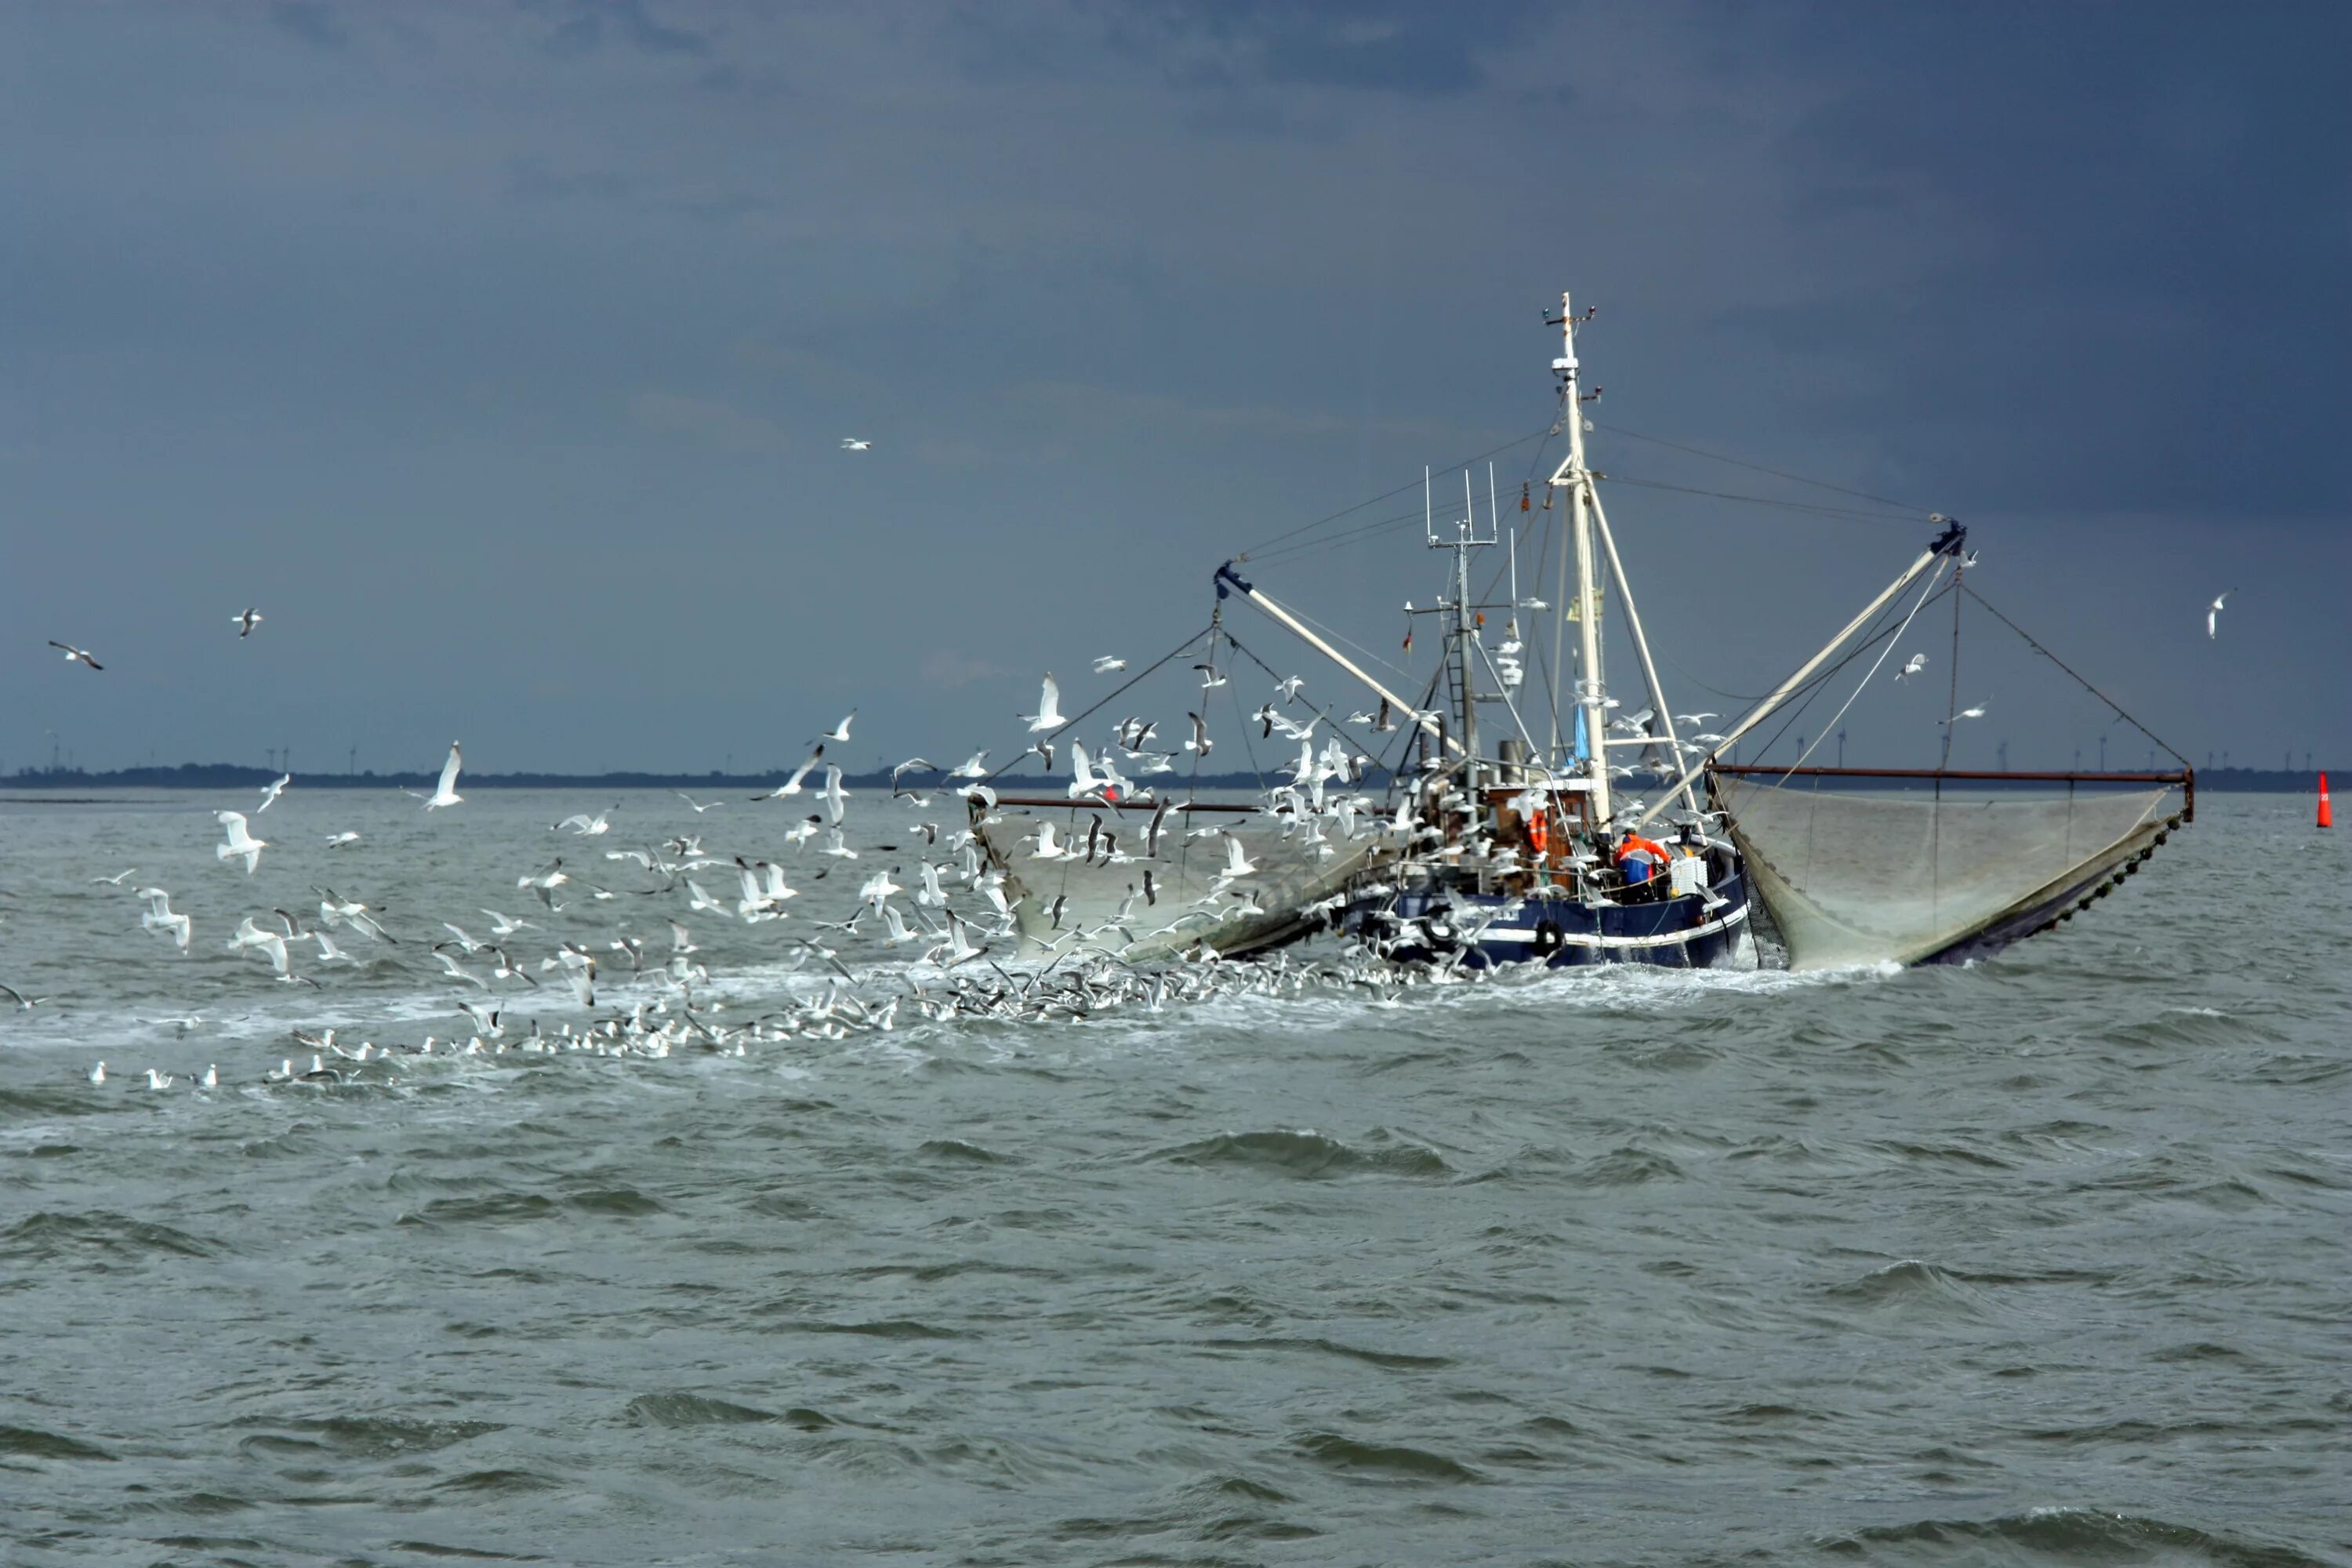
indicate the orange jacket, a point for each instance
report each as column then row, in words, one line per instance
column 1636, row 844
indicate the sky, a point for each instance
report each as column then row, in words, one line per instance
column 501, row 355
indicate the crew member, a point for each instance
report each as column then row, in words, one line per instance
column 1639, row 858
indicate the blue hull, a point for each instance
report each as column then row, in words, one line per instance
column 1556, row 929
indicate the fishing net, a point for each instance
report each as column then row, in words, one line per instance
column 1271, row 904
column 1938, row 872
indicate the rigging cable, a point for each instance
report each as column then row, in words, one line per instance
column 1916, row 607
column 1814, row 506
column 2085, row 685
column 1308, row 527
column 1759, row 468
column 1109, row 698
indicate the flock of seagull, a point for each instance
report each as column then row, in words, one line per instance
column 953, row 973
column 941, row 954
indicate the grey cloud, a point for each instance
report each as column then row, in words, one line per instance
column 310, row 22
column 588, row 22
column 1118, row 290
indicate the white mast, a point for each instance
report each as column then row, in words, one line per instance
column 1572, row 476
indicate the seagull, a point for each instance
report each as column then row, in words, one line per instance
column 1110, row 664
column 1049, row 709
column 855, row 444
column 2212, row 620
column 246, row 622
column 793, row 784
column 271, row 944
column 836, row 799
column 116, row 880
column 23, row 1004
column 239, row 841
column 1288, row 687
column 97, row 1073
column 840, row 732
column 342, row 839
column 1236, row 863
column 1695, row 718
column 158, row 1080
column 1976, row 712
column 457, row 970
column 73, row 653
column 1209, row 676
column 272, row 790
column 588, row 826
column 699, row 806
column 973, row 767
column 545, row 882
column 1917, row 662
column 159, row 916
column 1200, row 742
column 504, row 925
column 446, row 792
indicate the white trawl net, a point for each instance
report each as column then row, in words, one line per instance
column 1266, row 905
column 1901, row 875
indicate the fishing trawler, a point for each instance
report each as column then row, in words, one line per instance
column 1509, row 833
column 1515, row 845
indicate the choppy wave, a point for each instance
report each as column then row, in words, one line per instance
column 1618, row 1267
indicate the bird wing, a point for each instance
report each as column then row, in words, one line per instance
column 450, row 770
column 1049, row 704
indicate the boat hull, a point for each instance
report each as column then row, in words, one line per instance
column 1484, row 931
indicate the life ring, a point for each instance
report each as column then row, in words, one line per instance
column 1539, row 833
column 1549, row 938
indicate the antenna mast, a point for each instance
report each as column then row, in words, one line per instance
column 1466, row 538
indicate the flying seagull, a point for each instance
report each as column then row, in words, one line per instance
column 855, row 444
column 839, row 731
column 2212, row 621
column 1917, row 662
column 1109, row 663
column 446, row 792
column 793, row 784
column 246, row 623
column 272, row 790
column 1049, row 709
column 239, row 841
column 73, row 653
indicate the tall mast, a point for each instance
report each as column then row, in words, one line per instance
column 1573, row 477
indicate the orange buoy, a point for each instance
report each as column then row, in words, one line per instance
column 2327, row 816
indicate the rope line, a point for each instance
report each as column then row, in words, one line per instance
column 1814, row 506
column 1375, row 501
column 1759, row 468
column 2085, row 685
column 1919, row 604
column 1113, row 696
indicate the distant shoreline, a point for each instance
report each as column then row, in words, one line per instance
column 226, row 775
